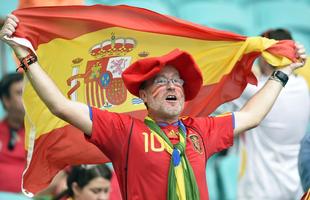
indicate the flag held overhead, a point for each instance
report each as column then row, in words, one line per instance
column 85, row 50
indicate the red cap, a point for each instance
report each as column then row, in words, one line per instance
column 145, row 69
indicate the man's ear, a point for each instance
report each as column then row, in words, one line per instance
column 142, row 95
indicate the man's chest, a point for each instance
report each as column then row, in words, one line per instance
column 149, row 150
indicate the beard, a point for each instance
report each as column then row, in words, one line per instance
column 166, row 110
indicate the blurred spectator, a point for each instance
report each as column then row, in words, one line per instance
column 268, row 153
column 304, row 162
column 88, row 182
column 59, row 184
column 12, row 134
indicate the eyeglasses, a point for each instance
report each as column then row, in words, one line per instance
column 165, row 81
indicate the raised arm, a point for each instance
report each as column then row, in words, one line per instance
column 74, row 113
column 254, row 111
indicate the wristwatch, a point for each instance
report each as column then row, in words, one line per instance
column 279, row 76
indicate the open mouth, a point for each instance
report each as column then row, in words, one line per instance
column 171, row 98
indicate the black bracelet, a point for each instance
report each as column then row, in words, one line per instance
column 280, row 77
column 26, row 61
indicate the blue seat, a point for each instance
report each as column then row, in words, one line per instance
column 211, row 177
column 303, row 38
column 7, row 8
column 289, row 14
column 222, row 176
column 13, row 196
column 292, row 15
column 228, row 167
column 220, row 15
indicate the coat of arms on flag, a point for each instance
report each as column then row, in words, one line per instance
column 104, row 86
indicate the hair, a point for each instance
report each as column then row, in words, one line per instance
column 7, row 81
column 82, row 175
column 278, row 34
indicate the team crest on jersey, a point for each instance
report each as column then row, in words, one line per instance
column 104, row 86
column 196, row 143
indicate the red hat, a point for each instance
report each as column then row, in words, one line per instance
column 147, row 68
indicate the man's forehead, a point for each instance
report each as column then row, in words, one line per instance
column 169, row 69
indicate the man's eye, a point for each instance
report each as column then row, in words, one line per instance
column 178, row 81
column 161, row 81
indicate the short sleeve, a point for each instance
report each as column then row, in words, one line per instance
column 217, row 132
column 109, row 131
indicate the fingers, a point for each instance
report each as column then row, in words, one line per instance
column 13, row 17
column 10, row 29
column 301, row 52
column 296, row 65
column 9, row 26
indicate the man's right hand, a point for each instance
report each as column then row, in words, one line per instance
column 8, row 29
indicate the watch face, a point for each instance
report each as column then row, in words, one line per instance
column 281, row 76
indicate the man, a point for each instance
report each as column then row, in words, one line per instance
column 268, row 153
column 163, row 157
column 12, row 134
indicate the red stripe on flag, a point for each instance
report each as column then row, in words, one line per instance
column 69, row 22
column 54, row 151
column 277, row 49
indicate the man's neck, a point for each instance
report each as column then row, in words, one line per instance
column 170, row 120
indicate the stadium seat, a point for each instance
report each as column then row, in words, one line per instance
column 228, row 167
column 12, row 196
column 7, row 8
column 278, row 13
column 222, row 173
column 211, row 177
column 219, row 15
column 284, row 14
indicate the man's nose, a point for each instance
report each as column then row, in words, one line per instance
column 170, row 84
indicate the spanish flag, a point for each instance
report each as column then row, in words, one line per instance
column 85, row 49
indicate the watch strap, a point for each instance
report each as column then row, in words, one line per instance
column 279, row 76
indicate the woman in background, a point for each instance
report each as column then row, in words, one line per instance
column 87, row 182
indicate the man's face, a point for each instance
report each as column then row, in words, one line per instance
column 13, row 103
column 164, row 99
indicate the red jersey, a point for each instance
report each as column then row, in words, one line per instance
column 139, row 159
column 12, row 162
